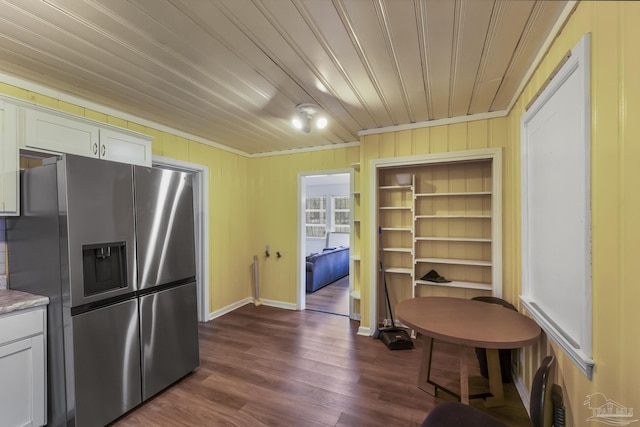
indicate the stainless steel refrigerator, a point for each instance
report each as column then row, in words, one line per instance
column 82, row 241
column 166, row 276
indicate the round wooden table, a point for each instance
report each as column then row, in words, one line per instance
column 466, row 323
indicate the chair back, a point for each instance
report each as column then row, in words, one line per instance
column 541, row 406
column 495, row 300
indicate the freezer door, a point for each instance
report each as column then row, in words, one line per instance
column 164, row 226
column 169, row 337
column 106, row 364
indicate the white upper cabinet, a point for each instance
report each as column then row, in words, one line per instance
column 63, row 133
column 27, row 126
column 124, row 147
column 9, row 170
column 57, row 133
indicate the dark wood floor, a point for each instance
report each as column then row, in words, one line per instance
column 264, row 366
column 333, row 298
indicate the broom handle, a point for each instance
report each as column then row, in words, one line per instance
column 384, row 279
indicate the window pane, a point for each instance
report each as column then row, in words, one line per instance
column 316, row 216
column 341, row 218
column 341, row 213
column 315, row 231
column 341, row 203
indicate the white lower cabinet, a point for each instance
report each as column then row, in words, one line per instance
column 23, row 398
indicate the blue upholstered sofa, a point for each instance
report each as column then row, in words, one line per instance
column 326, row 267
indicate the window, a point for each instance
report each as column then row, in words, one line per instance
column 556, row 209
column 316, row 216
column 340, row 212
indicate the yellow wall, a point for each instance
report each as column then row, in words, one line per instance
column 273, row 222
column 615, row 201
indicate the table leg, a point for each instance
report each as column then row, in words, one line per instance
column 495, row 380
column 425, row 366
column 464, row 376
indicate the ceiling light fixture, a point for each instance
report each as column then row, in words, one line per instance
column 308, row 114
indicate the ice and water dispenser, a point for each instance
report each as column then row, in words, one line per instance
column 104, row 267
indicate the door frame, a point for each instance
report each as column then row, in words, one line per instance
column 302, row 243
column 200, row 174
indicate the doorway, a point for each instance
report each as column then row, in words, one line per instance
column 325, row 224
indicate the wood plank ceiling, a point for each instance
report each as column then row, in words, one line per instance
column 233, row 71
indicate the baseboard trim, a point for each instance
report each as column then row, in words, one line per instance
column 249, row 300
column 364, row 331
column 525, row 394
column 229, row 308
column 279, row 304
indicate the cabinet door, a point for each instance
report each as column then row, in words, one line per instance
column 51, row 132
column 22, row 389
column 9, row 164
column 125, row 148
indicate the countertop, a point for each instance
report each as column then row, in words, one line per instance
column 11, row 300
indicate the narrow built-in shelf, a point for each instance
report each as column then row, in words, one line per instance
column 453, row 216
column 355, row 294
column 395, row 208
column 471, row 193
column 356, row 165
column 403, row 250
column 454, row 239
column 355, row 257
column 400, row 270
column 457, row 284
column 356, row 194
column 395, row 187
column 455, row 261
column 397, row 229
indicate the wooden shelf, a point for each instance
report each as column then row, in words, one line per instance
column 395, row 187
column 457, row 284
column 471, row 193
column 409, row 229
column 402, row 250
column 355, row 294
column 355, row 257
column 454, row 261
column 453, row 216
column 395, row 208
column 454, row 239
column 399, row 270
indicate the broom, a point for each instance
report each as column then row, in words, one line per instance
column 394, row 338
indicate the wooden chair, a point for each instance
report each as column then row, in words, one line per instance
column 540, row 406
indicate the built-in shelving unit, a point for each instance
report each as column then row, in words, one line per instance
column 354, row 258
column 447, row 219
